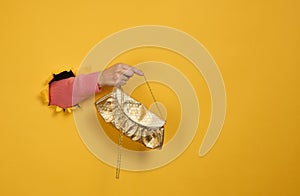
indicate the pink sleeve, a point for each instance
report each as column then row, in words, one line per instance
column 71, row 91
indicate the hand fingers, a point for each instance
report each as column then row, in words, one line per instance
column 124, row 72
column 124, row 66
column 124, row 77
column 129, row 72
column 137, row 71
column 121, row 83
column 132, row 70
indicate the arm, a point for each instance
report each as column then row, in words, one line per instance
column 71, row 91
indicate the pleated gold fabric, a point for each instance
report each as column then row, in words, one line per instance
column 132, row 118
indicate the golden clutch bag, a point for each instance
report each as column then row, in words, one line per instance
column 132, row 118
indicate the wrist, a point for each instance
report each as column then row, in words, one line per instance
column 99, row 80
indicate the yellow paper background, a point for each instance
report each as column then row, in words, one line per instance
column 256, row 45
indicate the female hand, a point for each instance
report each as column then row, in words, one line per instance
column 117, row 75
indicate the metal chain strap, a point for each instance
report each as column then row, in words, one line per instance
column 119, row 154
column 119, row 158
column 160, row 113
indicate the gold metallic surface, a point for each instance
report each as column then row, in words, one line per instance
column 132, row 117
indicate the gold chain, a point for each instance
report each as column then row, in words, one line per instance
column 119, row 154
column 119, row 158
column 160, row 113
